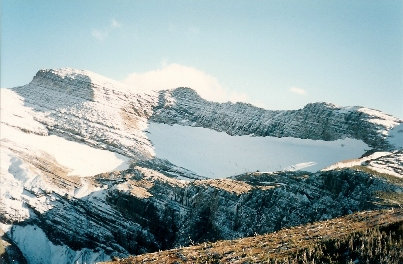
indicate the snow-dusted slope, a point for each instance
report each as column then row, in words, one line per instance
column 218, row 155
column 395, row 136
column 86, row 107
column 389, row 163
column 104, row 114
column 322, row 121
column 83, row 174
column 37, row 248
column 36, row 170
column 79, row 159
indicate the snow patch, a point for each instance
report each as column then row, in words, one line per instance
column 389, row 164
column 37, row 249
column 81, row 159
column 300, row 166
column 382, row 162
column 15, row 114
column 355, row 162
column 379, row 118
column 15, row 178
column 395, row 137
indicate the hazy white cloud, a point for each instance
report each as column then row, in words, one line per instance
column 115, row 23
column 101, row 34
column 173, row 75
column 297, row 90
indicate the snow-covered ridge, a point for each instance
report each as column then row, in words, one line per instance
column 87, row 107
column 390, row 163
column 100, row 112
column 103, row 113
column 321, row 121
column 13, row 113
column 80, row 76
column 69, row 136
column 379, row 118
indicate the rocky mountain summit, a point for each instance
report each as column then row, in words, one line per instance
column 82, row 181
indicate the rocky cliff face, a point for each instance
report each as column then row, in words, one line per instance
column 315, row 121
column 145, row 211
column 47, row 202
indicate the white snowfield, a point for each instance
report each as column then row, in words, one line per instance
column 14, row 114
column 78, row 158
column 395, row 136
column 380, row 118
column 356, row 162
column 34, row 243
column 219, row 155
column 389, row 163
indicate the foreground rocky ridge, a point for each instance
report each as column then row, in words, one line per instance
column 145, row 207
column 142, row 210
column 366, row 237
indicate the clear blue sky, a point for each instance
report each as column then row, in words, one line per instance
column 344, row 52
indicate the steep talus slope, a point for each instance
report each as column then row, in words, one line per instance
column 366, row 237
column 315, row 121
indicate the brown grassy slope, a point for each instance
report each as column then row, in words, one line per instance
column 369, row 237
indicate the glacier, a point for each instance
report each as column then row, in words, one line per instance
column 218, row 155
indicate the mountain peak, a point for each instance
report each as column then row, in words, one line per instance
column 76, row 76
column 65, row 72
column 320, row 105
column 185, row 92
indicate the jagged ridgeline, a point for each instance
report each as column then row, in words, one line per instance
column 85, row 176
column 88, row 96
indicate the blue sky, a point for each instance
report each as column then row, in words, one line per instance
column 277, row 54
